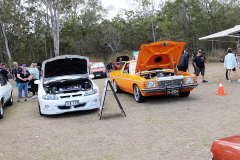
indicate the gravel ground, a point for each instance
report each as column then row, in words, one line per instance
column 164, row 127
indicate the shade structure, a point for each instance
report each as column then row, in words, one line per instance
column 232, row 32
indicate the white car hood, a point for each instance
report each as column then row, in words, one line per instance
column 65, row 65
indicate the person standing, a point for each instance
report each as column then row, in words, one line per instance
column 3, row 71
column 14, row 72
column 193, row 56
column 183, row 63
column 34, row 76
column 120, row 63
column 23, row 78
column 186, row 53
column 230, row 63
column 199, row 61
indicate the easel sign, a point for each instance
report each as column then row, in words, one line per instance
column 108, row 82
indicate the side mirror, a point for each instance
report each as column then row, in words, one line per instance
column 91, row 76
column 37, row 82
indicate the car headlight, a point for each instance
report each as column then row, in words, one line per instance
column 151, row 84
column 103, row 71
column 189, row 80
column 50, row 97
column 90, row 92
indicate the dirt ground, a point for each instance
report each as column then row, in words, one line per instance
column 164, row 127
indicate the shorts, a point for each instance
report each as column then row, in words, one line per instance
column 198, row 70
column 234, row 69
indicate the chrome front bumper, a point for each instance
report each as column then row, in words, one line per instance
column 164, row 89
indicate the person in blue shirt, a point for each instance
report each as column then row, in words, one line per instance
column 34, row 76
column 230, row 62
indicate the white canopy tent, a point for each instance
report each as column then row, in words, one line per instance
column 232, row 32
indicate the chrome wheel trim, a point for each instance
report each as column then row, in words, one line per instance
column 136, row 92
column 115, row 86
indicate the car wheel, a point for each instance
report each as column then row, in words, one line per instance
column 10, row 101
column 184, row 94
column 137, row 94
column 1, row 110
column 105, row 75
column 116, row 88
column 39, row 109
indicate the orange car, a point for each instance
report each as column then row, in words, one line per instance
column 226, row 148
column 154, row 72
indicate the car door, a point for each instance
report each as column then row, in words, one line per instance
column 127, row 81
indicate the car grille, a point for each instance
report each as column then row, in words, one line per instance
column 98, row 72
column 173, row 82
column 80, row 105
column 64, row 107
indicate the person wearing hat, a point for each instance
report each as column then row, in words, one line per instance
column 230, row 63
column 199, row 65
column 3, row 71
column 23, row 79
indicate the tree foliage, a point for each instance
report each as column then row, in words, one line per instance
column 29, row 29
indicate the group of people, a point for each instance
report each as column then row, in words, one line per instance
column 230, row 62
column 197, row 62
column 22, row 76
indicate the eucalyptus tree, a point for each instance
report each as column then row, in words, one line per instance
column 58, row 9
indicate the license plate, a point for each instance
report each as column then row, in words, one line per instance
column 172, row 91
column 98, row 75
column 72, row 103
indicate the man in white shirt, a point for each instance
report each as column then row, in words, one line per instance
column 230, row 63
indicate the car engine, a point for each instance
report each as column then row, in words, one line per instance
column 67, row 87
column 157, row 75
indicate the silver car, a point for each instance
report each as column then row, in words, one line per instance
column 5, row 94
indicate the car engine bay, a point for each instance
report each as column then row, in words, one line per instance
column 157, row 75
column 67, row 86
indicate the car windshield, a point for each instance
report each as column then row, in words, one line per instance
column 97, row 65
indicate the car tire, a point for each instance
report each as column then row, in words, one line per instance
column 1, row 110
column 39, row 109
column 10, row 101
column 116, row 88
column 184, row 94
column 105, row 75
column 137, row 94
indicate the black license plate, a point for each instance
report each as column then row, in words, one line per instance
column 172, row 91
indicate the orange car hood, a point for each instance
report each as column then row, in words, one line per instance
column 162, row 54
column 226, row 148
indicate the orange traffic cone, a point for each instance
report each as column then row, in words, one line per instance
column 221, row 91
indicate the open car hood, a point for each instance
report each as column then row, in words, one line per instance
column 65, row 65
column 159, row 55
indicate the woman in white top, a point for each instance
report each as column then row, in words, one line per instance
column 230, row 63
column 34, row 76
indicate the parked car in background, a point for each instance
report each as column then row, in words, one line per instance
column 98, row 69
column 5, row 94
column 154, row 72
column 226, row 148
column 66, row 86
column 124, row 59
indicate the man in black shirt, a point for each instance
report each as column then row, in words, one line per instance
column 199, row 65
column 183, row 63
column 3, row 71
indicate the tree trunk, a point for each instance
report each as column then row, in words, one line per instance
column 6, row 42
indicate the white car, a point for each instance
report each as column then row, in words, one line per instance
column 5, row 94
column 66, row 86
